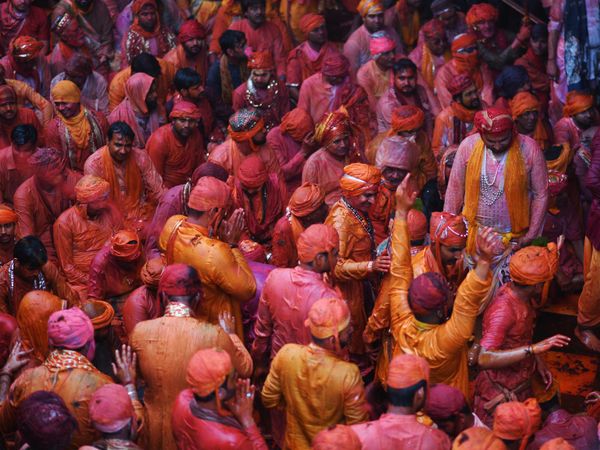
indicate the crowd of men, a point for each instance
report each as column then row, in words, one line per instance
column 295, row 224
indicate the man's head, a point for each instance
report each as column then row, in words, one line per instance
column 430, row 298
column 247, row 129
column 335, row 68
column 465, row 55
column 448, row 234
column 188, row 83
column 417, row 226
column 531, row 267
column 449, row 409
column 126, row 246
column 481, row 19
column 30, row 255
column 255, row 11
column 184, row 118
column 77, row 69
column 211, row 376
column 341, row 436
column 383, row 50
column 146, row 63
column 396, row 158
column 297, row 124
column 8, row 223
column 25, row 51
column 372, row 12
column 209, row 196
column 579, row 106
column 24, row 143
column 445, row 11
column 511, row 81
column 94, row 192
column 262, row 69
column 112, row 413
column 435, row 37
column 252, row 174
column 496, row 127
column 333, row 134
column 48, row 165
column 318, row 247
column 516, row 422
column 72, row 329
column 359, row 185
column 405, row 76
column 233, row 44
column 464, row 91
column 329, row 324
column 538, row 41
column 33, row 313
column 307, row 204
column 8, row 103
column 314, row 28
column 21, row 6
column 191, row 37
column 525, row 111
column 68, row 30
column 120, row 141
column 180, row 283
column 407, row 121
column 84, row 5
column 407, row 379
column 146, row 14
column 477, row 438
column 66, row 97
column 140, row 89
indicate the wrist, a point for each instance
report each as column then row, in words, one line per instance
column 401, row 214
column 247, row 422
column 370, row 266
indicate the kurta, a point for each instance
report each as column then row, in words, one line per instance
column 179, row 59
column 291, row 159
column 25, row 116
column 142, row 304
column 356, row 48
column 229, row 157
column 449, row 131
column 318, row 390
column 11, row 174
column 303, row 61
column 94, row 93
column 35, row 23
column 324, row 169
column 110, row 278
column 374, row 81
column 391, row 100
column 448, row 72
column 272, row 102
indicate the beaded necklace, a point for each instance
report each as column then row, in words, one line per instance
column 365, row 222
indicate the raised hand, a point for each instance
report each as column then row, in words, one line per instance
column 241, row 407
column 124, row 368
column 556, row 341
column 16, row 359
column 405, row 196
column 487, row 243
column 227, row 322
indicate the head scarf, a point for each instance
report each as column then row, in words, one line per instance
column 397, row 152
column 71, row 329
column 477, row 438
column 417, row 225
column 406, row 370
column 341, row 436
column 461, row 41
column 253, row 251
column 522, row 103
column 7, row 215
column 297, row 123
column 577, row 102
column 126, row 245
column 186, row 110
column 557, row 444
column 331, row 127
column 459, row 83
column 517, row 420
column 448, row 229
column 136, row 8
column 407, row 118
column 327, row 317
column 207, row 371
column 91, row 188
column 179, row 280
column 136, row 89
column 151, row 271
column 306, row 199
column 335, row 65
column 481, row 12
column 65, row 91
column 111, row 409
column 366, row 7
column 311, row 21
column 46, row 158
column 428, row 292
column 434, row 29
column 244, row 124
column 493, row 121
column 443, row 402
column 191, row 29
column 100, row 313
column 26, row 48
column 261, row 60
column 317, row 238
column 35, row 309
column 8, row 326
column 209, row 169
column 209, row 193
column 359, row 178
column 532, row 265
column 252, row 172
column 381, row 44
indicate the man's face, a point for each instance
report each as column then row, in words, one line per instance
column 119, row 147
column 73, row 35
column 437, row 44
column 256, row 14
column 260, row 138
column 152, row 97
column 527, row 121
column 318, row 36
column 261, row 78
column 84, row 4
column 448, row 17
column 497, row 142
column 239, row 51
column 97, row 206
column 147, row 17
column 68, row 109
column 485, row 28
column 8, row 108
column 184, row 126
column 21, row 6
column 584, row 119
column 450, row 255
column 364, row 201
column 386, row 60
column 7, row 233
column 339, row 146
column 193, row 47
column 394, row 175
column 539, row 48
column 334, row 81
column 373, row 22
column 405, row 81
column 470, row 98
column 195, row 93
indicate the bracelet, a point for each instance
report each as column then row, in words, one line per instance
column 529, row 350
column 370, row 266
column 5, row 373
column 131, row 391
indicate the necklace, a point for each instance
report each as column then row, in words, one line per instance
column 365, row 222
column 269, row 103
column 490, row 194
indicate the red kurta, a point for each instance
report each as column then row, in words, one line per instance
column 11, row 174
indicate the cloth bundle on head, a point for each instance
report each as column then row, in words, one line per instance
column 209, row 193
column 126, row 245
column 100, row 313
column 71, row 329
column 207, row 371
column 522, row 103
column 244, row 124
column 381, row 43
column 191, row 29
column 557, row 444
column 35, row 309
column 179, row 280
column 327, row 317
column 8, row 327
column 428, row 292
column 261, row 60
column 397, row 152
column 331, row 127
column 417, row 225
column 47, row 158
column 252, row 172
column 111, row 409
column 26, row 48
column 577, row 102
column 366, row 7
column 311, row 21
column 493, row 121
column 186, row 110
column 306, row 199
column 209, row 169
column 407, row 370
column 461, row 41
column 459, row 83
column 317, row 238
column 253, row 251
column 152, row 270
column 335, row 65
column 515, row 421
column 136, row 90
column 481, row 12
column 7, row 215
column 557, row 182
column 406, row 118
column 359, row 178
column 533, row 265
column 448, row 229
column 137, row 5
column 91, row 188
column 477, row 438
column 443, row 402
column 341, row 436
column 65, row 91
column 434, row 28
column 297, row 123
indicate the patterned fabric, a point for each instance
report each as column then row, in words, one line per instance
column 244, row 119
column 59, row 360
column 176, row 309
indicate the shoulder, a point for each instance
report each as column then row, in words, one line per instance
column 120, row 78
column 24, row 189
column 316, row 157
column 241, row 89
column 466, row 146
column 315, row 78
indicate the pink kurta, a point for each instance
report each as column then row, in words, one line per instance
column 323, row 169
column 291, row 160
column 390, row 100
column 374, row 81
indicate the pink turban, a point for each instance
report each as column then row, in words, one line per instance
column 71, row 329
column 381, row 44
column 317, row 238
column 444, row 401
column 428, row 292
column 397, row 152
column 335, row 65
column 191, row 29
column 111, row 409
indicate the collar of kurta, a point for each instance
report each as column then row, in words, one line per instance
column 176, row 309
column 59, row 360
column 422, row 326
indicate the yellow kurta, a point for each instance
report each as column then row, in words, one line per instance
column 317, row 389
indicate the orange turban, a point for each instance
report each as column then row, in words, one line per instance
column 577, row 102
column 417, row 225
column 493, row 121
column 111, row 409
column 126, row 245
column 448, row 229
column 477, row 438
column 311, row 21
column 91, row 188
column 517, row 420
column 434, row 29
column 317, row 238
column 209, row 193
column 335, row 65
column 26, row 48
column 381, row 44
column 406, row 370
column 327, row 317
column 341, row 436
column 459, row 83
column 252, row 172
column 100, row 313
column 557, row 444
column 366, row 7
column 358, row 178
column 7, row 215
column 186, row 110
column 522, row 103
column 481, row 12
column 533, row 265
column 297, row 123
column 65, row 91
column 397, row 152
column 407, row 118
column 261, row 60
column 191, row 29
column 207, row 370
column 331, row 127
column 151, row 271
column 35, row 309
column 179, row 279
column 461, row 41
column 137, row 5
column 306, row 199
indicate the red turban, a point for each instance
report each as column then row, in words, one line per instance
column 533, row 265
column 327, row 317
column 8, row 326
column 407, row 118
column 406, row 370
column 444, row 401
column 523, row 102
column 461, row 41
column 576, row 103
column 209, row 169
column 311, row 21
column 91, row 188
column 111, row 409
column 434, row 29
column 151, row 271
column 297, row 123
column 381, row 44
column 252, row 172
column 100, row 313
column 366, row 7
column 417, row 225
column 47, row 159
column 191, row 29
column 253, row 251
column 71, row 329
column 306, row 199
column 331, row 127
column 459, row 83
column 26, row 48
column 341, row 436
column 493, row 121
column 517, row 420
column 185, row 109
column 137, row 5
column 428, row 292
column 477, row 438
column 261, row 60
column 481, row 12
column 335, row 65
column 448, row 229
column 7, row 215
column 317, row 238
column 557, row 444
column 397, row 152
column 126, row 245
column 209, row 193
column 179, row 279
column 207, row 370
column 359, row 178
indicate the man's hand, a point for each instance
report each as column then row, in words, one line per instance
column 552, row 69
column 124, row 369
column 241, row 405
column 558, row 341
column 487, row 244
column 227, row 322
column 405, row 197
column 382, row 264
column 234, row 227
column 16, row 359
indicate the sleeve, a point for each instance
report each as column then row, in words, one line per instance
column 279, row 54
column 157, row 151
column 163, row 211
column 256, row 439
column 401, row 275
column 237, row 98
column 271, row 394
column 427, row 162
column 310, row 172
column 101, row 94
column 135, row 309
column 592, row 180
column 380, row 317
column 440, row 137
column 304, row 95
column 352, row 52
column 232, row 273
column 293, row 69
column 60, row 285
column 220, row 26
column 97, row 279
column 242, row 362
column 24, row 209
column 116, row 89
column 4, row 291
column 346, row 268
column 152, row 179
column 497, row 320
column 263, row 327
column 440, row 85
column 355, row 405
column 23, row 90
column 455, row 192
column 63, row 243
column 539, row 190
column 362, row 79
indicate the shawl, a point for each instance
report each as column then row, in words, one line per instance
column 133, row 180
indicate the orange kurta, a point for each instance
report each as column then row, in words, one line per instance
column 179, row 59
column 228, row 156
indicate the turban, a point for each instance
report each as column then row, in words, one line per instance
column 448, row 229
column 477, row 438
column 311, row 21
column 47, row 159
column 434, row 29
column 517, row 420
column 366, row 7
column 179, row 279
column 417, row 225
column 557, row 182
column 26, row 48
column 100, row 313
column 209, row 193
column 7, row 92
column 576, row 103
column 139, row 4
column 65, row 91
column 461, row 41
column 185, row 109
column 397, row 152
column 444, row 401
column 533, row 265
column 91, row 188
column 359, row 178
column 7, row 215
column 557, row 444
column 207, row 370
column 306, row 199
column 481, row 12
column 317, row 238
column 261, row 60
column 111, row 409
column 244, row 124
column 493, row 121
column 151, row 271
column 297, row 123
column 79, row 65
column 459, row 83
column 381, row 44
column 327, row 317
column 523, row 102
column 510, row 80
column 253, row 251
column 428, row 292
column 209, row 169
column 33, row 313
column 407, row 118
column 71, row 329
column 341, row 436
column 8, row 326
column 407, row 370
column 331, row 127
column 125, row 245
column 191, row 29
column 335, row 65
column 252, row 172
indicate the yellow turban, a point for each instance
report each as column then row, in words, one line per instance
column 65, row 91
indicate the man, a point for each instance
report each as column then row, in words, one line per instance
column 449, row 410
column 8, row 226
column 20, row 17
column 44, row 196
column 226, row 277
column 189, row 86
column 305, row 208
column 454, row 20
column 407, row 388
column 160, row 367
column 374, row 76
column 192, row 49
column 27, row 96
column 579, row 123
column 534, row 61
column 516, row 422
column 263, row 91
column 76, row 130
column 139, row 109
column 357, row 47
column 406, row 20
column 307, row 58
column 335, row 391
column 12, row 115
column 455, row 122
column 465, row 60
column 70, row 42
column 509, row 82
column 525, row 108
column 431, row 53
column 202, row 413
column 14, row 168
column 340, row 436
column 247, row 135
column 177, row 148
column 135, row 185
column 25, row 62
column 82, row 230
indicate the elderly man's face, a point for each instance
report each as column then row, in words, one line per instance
column 394, row 175
column 364, row 201
column 261, row 78
column 68, row 109
column 339, row 147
